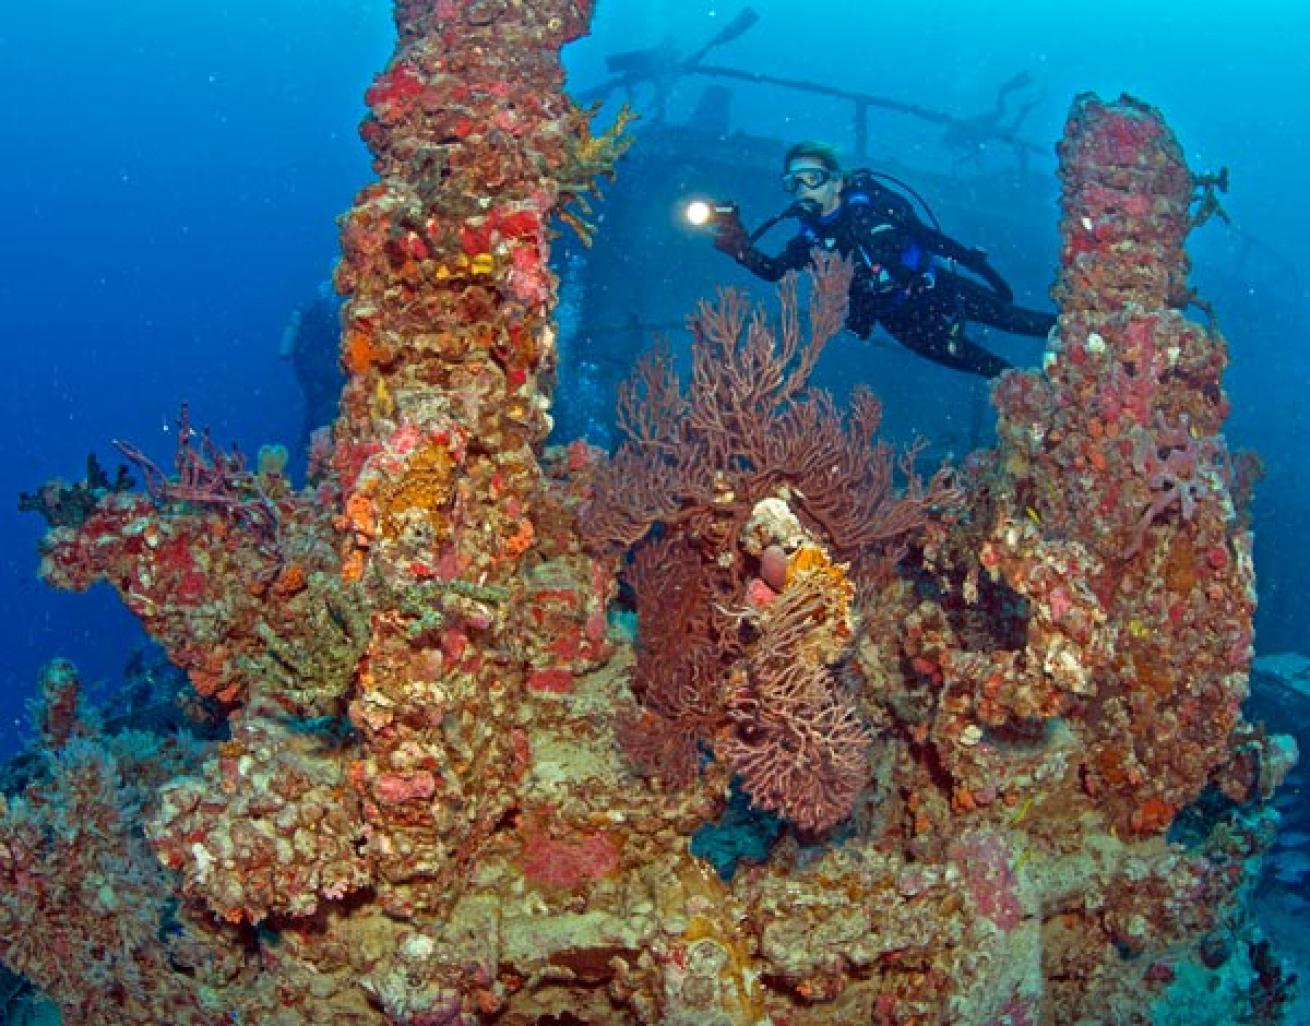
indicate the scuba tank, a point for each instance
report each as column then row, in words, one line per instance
column 898, row 210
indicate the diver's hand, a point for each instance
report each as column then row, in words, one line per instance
column 730, row 235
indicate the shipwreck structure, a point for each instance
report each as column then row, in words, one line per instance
column 990, row 717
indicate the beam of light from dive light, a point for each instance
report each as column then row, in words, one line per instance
column 699, row 213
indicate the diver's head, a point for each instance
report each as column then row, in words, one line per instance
column 811, row 171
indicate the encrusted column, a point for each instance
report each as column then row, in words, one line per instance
column 449, row 346
column 1123, row 537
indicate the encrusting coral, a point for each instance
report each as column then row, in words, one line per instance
column 995, row 715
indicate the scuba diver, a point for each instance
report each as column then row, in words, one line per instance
column 969, row 138
column 908, row 274
column 310, row 340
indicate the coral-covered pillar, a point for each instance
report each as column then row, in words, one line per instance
column 1126, row 199
column 1123, row 539
column 449, row 345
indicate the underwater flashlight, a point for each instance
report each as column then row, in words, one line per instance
column 699, row 213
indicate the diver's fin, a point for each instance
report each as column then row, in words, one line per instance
column 739, row 25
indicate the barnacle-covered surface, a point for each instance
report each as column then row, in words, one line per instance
column 995, row 717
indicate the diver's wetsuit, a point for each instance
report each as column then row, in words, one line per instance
column 902, row 280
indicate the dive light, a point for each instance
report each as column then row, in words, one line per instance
column 700, row 213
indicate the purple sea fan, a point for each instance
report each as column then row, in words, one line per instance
column 796, row 738
column 799, row 747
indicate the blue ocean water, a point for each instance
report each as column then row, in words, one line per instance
column 170, row 176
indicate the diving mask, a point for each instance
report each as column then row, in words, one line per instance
column 806, row 178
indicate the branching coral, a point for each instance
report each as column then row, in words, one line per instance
column 590, row 158
column 759, row 487
column 209, row 478
column 797, row 740
column 687, row 640
column 747, row 429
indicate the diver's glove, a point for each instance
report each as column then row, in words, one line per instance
column 730, row 235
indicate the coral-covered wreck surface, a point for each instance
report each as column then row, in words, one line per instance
column 884, row 746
